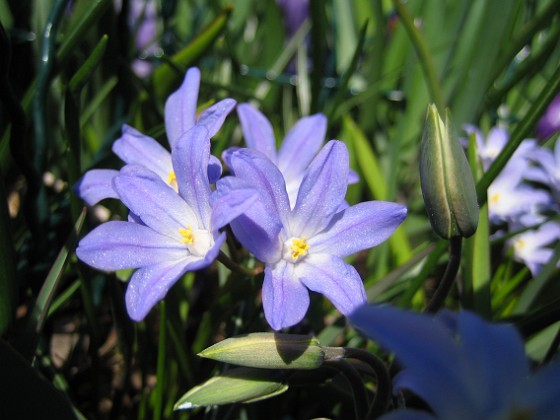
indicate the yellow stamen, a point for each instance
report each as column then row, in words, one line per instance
column 187, row 234
column 495, row 198
column 171, row 178
column 299, row 248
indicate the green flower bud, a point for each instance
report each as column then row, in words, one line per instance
column 446, row 179
column 236, row 385
column 268, row 351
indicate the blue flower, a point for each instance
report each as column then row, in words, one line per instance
column 134, row 147
column 169, row 233
column 550, row 121
column 297, row 150
column 462, row 366
column 303, row 248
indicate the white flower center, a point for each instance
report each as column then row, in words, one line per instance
column 198, row 241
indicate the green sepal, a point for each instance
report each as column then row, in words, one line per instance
column 234, row 386
column 268, row 351
column 446, row 179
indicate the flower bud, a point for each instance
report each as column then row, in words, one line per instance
column 235, row 385
column 268, row 351
column 446, row 180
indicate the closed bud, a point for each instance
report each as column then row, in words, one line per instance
column 268, row 351
column 239, row 385
column 446, row 179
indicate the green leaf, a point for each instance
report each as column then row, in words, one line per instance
column 268, row 351
column 236, row 385
column 8, row 272
column 167, row 76
column 25, row 393
column 40, row 310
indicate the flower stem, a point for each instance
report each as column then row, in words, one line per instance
column 448, row 278
column 227, row 261
column 381, row 401
column 355, row 381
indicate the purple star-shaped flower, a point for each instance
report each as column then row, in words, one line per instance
column 461, row 366
column 303, row 248
column 134, row 147
column 297, row 150
column 169, row 233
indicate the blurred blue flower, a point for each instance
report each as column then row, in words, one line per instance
column 550, row 121
column 297, row 150
column 532, row 247
column 134, row 147
column 303, row 248
column 142, row 20
column 547, row 171
column 509, row 197
column 462, row 366
column 295, row 12
column 169, row 233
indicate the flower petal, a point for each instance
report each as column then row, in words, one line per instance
column 301, row 144
column 214, row 169
column 116, row 245
column 180, row 107
column 256, row 169
column 155, row 202
column 134, row 147
column 96, row 185
column 257, row 228
column 149, row 285
column 190, row 160
column 428, row 351
column 332, row 277
column 494, row 362
column 213, row 117
column 541, row 396
column 285, row 299
column 359, row 227
column 322, row 190
column 228, row 206
column 257, row 130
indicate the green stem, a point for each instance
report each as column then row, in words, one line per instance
column 423, row 52
column 444, row 287
column 355, row 381
column 162, row 350
column 225, row 260
column 383, row 394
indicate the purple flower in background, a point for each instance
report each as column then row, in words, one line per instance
column 532, row 247
column 462, row 366
column 303, row 248
column 547, row 170
column 297, row 150
column 169, row 233
column 550, row 121
column 134, row 147
column 509, row 198
column 142, row 20
column 295, row 12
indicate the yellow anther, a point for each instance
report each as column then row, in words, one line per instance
column 187, row 234
column 299, row 248
column 495, row 198
column 520, row 243
column 172, row 179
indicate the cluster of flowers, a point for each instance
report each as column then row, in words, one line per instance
column 525, row 196
column 287, row 207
